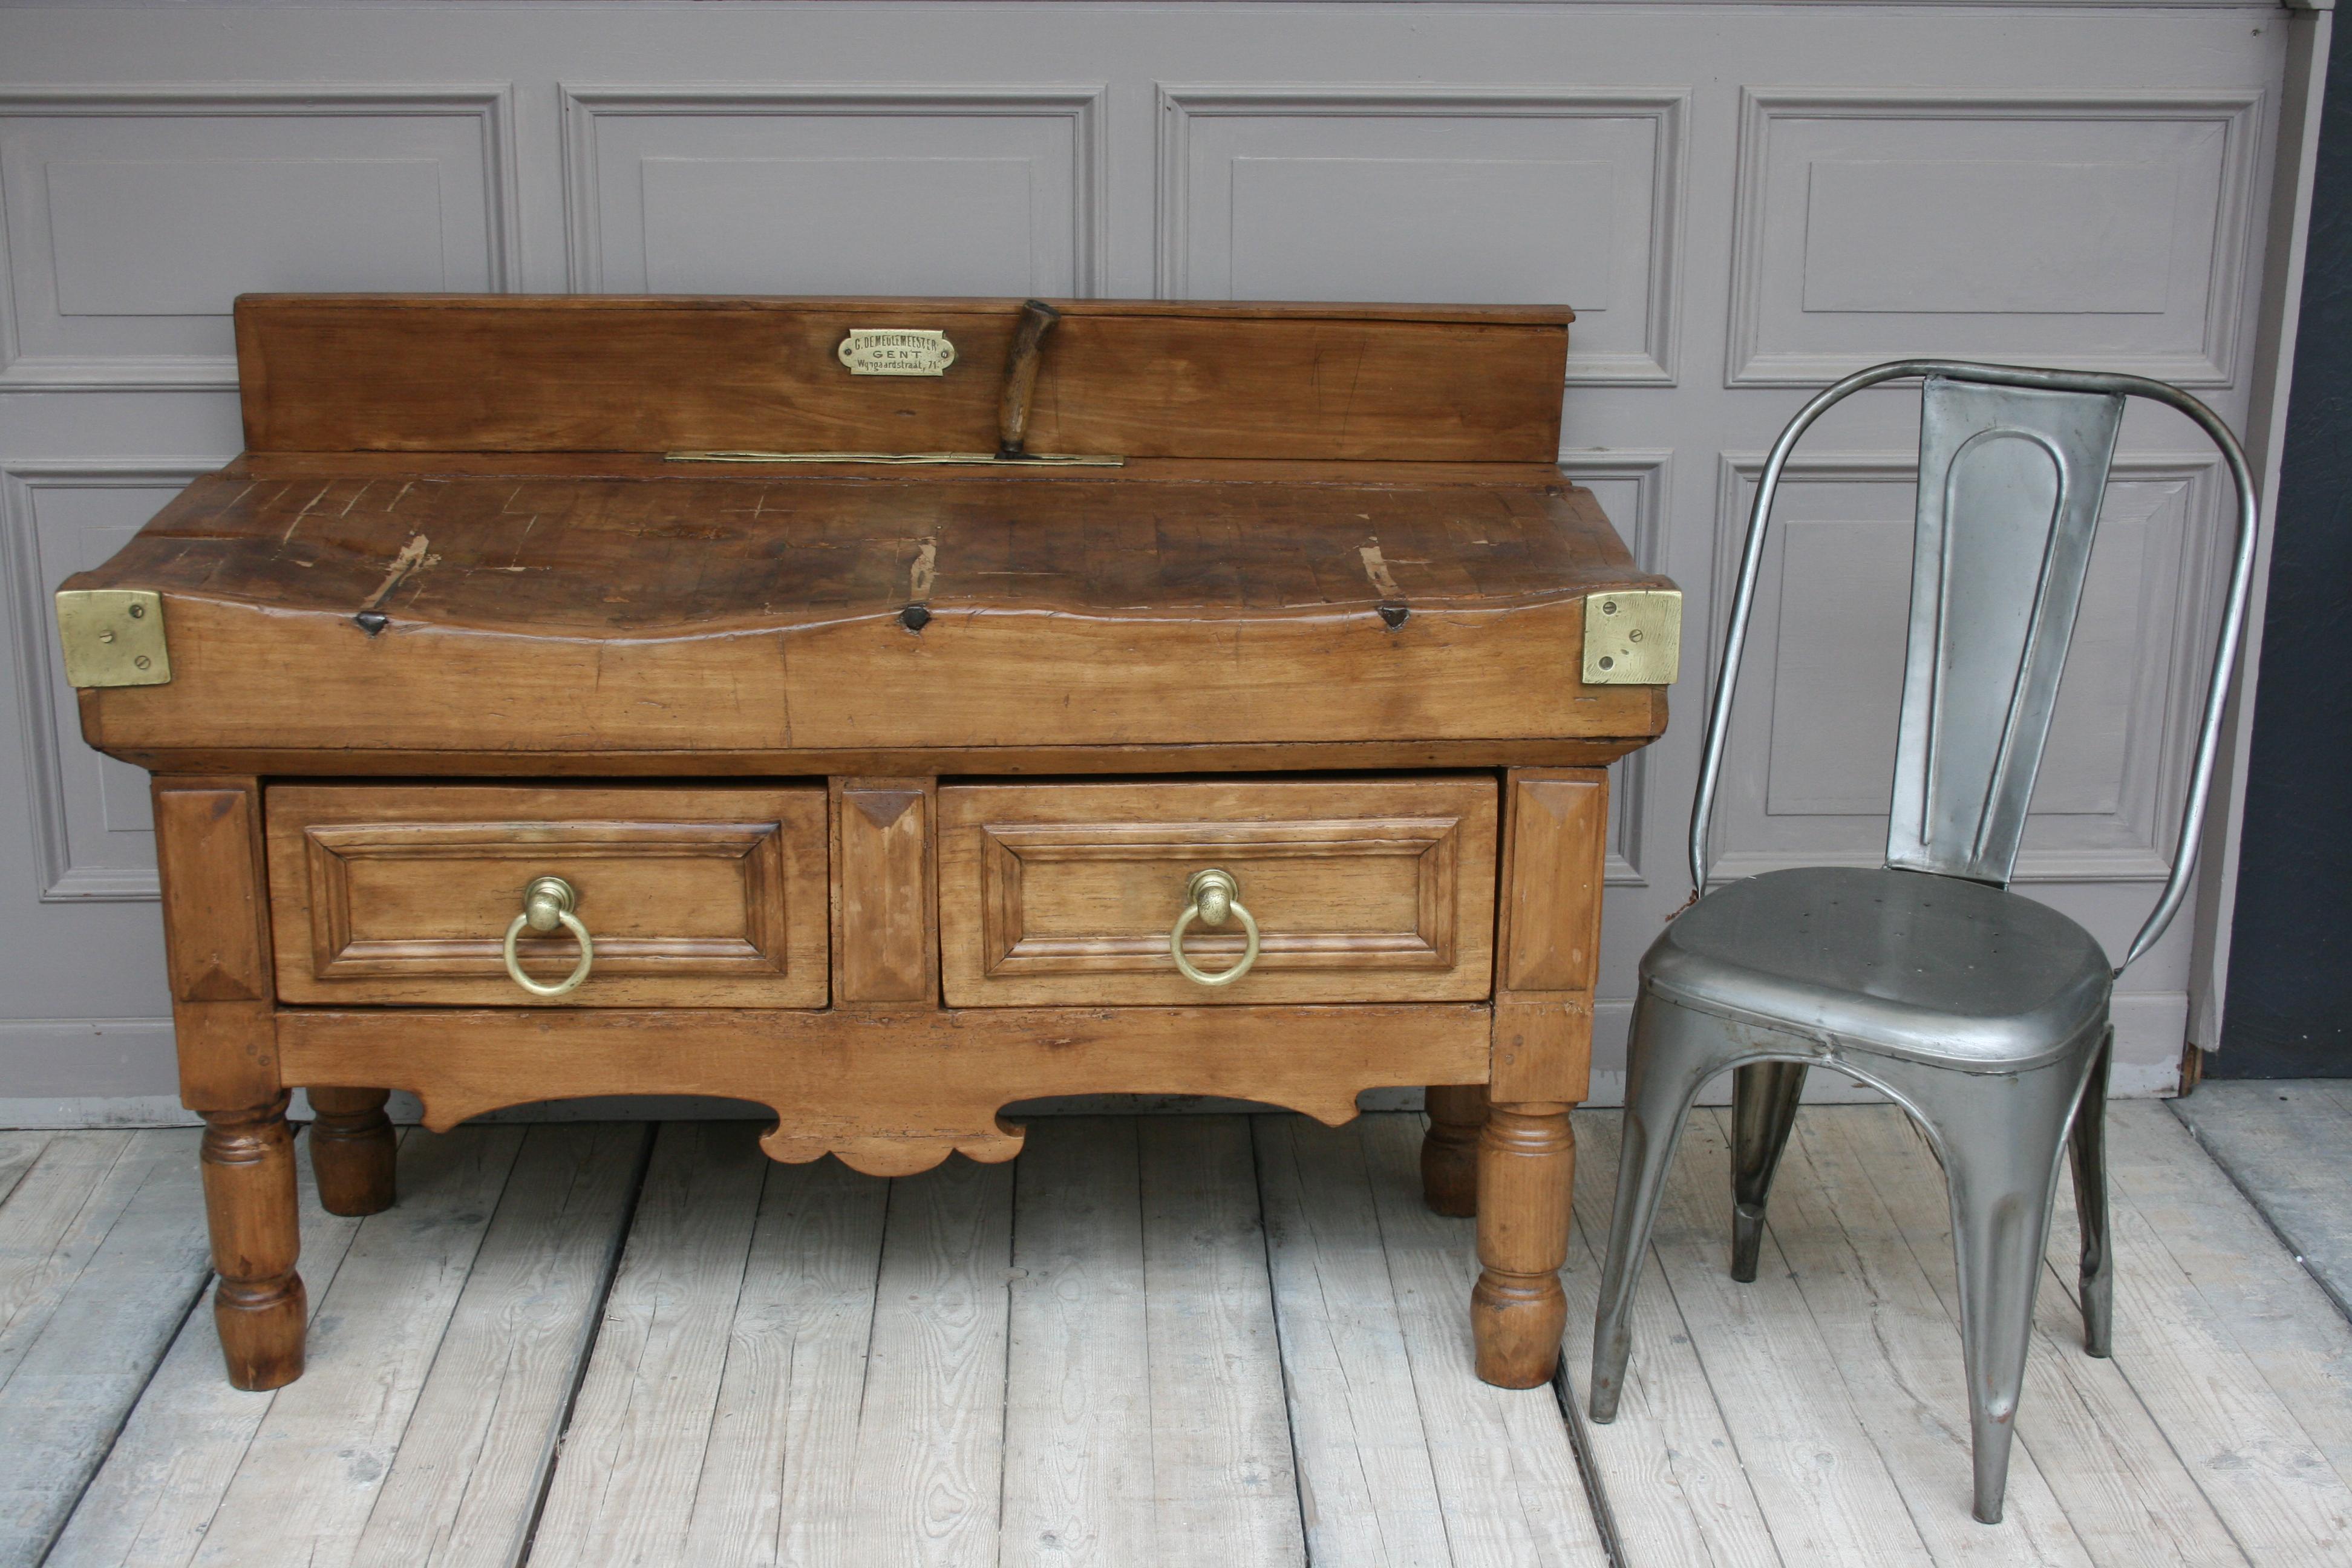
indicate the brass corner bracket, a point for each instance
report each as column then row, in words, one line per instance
column 114, row 636
column 1633, row 637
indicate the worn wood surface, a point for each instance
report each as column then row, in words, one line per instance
column 402, row 893
column 1142, row 378
column 1363, row 890
column 1164, row 1329
column 539, row 613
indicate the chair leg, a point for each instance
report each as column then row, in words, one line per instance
column 1670, row 1052
column 2089, row 1144
column 1763, row 1110
column 2002, row 1136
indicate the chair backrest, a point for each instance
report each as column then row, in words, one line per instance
column 2013, row 467
column 2010, row 484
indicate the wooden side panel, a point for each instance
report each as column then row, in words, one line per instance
column 1367, row 890
column 216, row 931
column 1556, row 824
column 702, row 897
column 1553, row 919
column 602, row 374
column 885, row 906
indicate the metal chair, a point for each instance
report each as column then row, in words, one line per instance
column 1984, row 1014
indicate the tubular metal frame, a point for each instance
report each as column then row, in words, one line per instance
column 2217, row 697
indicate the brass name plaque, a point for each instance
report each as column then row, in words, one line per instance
column 896, row 351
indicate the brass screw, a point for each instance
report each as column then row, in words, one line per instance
column 1634, row 634
column 106, row 637
column 138, row 612
column 1608, row 606
column 1608, row 663
column 142, row 661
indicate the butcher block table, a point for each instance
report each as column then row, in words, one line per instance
column 880, row 711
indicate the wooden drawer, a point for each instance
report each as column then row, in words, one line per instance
column 705, row 897
column 1364, row 891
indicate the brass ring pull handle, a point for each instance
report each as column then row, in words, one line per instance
column 1214, row 895
column 547, row 903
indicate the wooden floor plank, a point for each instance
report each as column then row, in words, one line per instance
column 1225, row 1483
column 1817, row 1474
column 18, row 1150
column 2278, row 1314
column 1668, row 1465
column 624, row 1490
column 1367, row 1488
column 74, row 1383
column 1900, row 1358
column 1078, row 1419
column 2260, row 1468
column 314, row 1471
column 929, row 1468
column 163, row 1480
column 775, row 1484
column 1505, row 1469
column 55, row 1219
column 2127, row 1495
column 477, row 1450
column 2290, row 1144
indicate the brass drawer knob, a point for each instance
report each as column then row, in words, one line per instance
column 547, row 903
column 1214, row 896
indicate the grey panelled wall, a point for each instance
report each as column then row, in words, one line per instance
column 1743, row 203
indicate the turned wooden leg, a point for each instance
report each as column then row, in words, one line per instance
column 1527, row 1166
column 1449, row 1151
column 352, row 1149
column 258, row 1306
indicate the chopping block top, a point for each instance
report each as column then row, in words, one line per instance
column 535, row 528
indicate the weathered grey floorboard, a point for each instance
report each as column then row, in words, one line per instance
column 91, row 1322
column 2288, row 1144
column 1669, row 1464
column 1226, row 1485
column 1183, row 1341
column 302, row 1493
column 775, row 1483
column 624, row 1492
column 162, row 1482
column 927, row 1470
column 477, row 1450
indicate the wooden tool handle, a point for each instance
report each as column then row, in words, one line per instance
column 1037, row 318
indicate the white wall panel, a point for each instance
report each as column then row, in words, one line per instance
column 2099, row 230
column 1429, row 194
column 94, row 836
column 1797, row 186
column 135, row 217
column 817, row 191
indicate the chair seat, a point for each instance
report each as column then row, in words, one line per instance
column 1903, row 963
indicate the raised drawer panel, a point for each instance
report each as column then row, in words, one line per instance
column 1366, row 890
column 712, row 897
